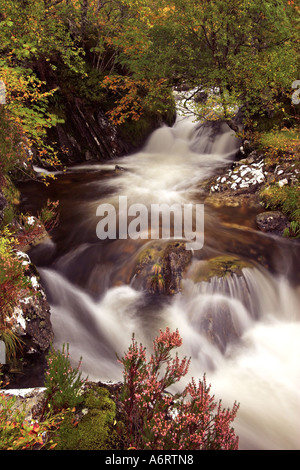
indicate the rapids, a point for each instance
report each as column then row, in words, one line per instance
column 95, row 305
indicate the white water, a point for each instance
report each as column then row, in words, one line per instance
column 261, row 371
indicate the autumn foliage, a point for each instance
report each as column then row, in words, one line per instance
column 18, row 432
column 133, row 96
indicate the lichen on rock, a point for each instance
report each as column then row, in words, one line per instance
column 32, row 314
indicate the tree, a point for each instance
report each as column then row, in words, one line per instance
column 244, row 51
column 33, row 39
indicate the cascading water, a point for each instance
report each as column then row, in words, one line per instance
column 241, row 329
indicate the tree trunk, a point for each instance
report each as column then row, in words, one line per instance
column 84, row 11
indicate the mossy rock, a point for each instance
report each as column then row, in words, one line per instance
column 220, row 266
column 94, row 426
column 160, row 267
column 151, row 253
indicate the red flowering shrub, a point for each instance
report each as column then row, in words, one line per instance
column 157, row 420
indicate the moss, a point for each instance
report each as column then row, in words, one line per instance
column 96, row 428
column 221, row 266
column 151, row 254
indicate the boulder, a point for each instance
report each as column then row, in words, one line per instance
column 221, row 281
column 218, row 327
column 31, row 324
column 32, row 315
column 160, row 267
column 217, row 267
column 272, row 221
column 87, row 134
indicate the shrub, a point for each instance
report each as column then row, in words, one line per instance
column 49, row 215
column 63, row 383
column 157, row 420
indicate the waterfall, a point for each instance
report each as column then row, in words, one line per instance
column 241, row 329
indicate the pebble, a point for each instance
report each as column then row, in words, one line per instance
column 251, row 174
column 283, row 182
column 241, row 177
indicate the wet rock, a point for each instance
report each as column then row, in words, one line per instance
column 174, row 262
column 253, row 157
column 161, row 267
column 222, row 283
column 219, row 267
column 272, row 221
column 31, row 320
column 29, row 400
column 31, row 232
column 218, row 327
column 119, row 168
column 38, row 331
column 87, row 134
column 286, row 173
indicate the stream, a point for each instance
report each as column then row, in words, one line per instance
column 97, row 303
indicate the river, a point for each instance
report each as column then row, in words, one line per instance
column 96, row 304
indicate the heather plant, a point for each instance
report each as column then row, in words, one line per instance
column 158, row 420
column 62, row 382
